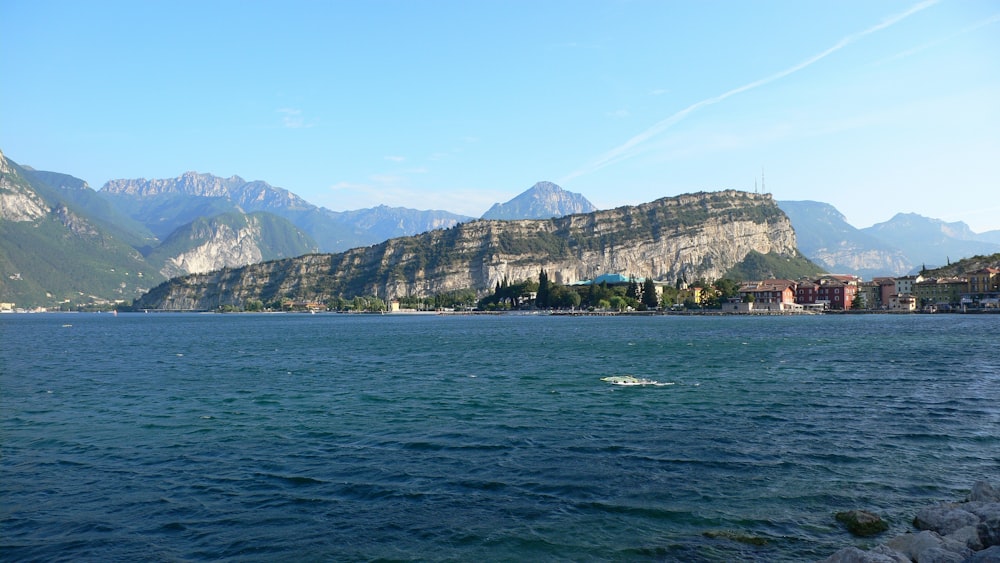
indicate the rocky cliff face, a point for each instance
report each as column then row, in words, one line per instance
column 249, row 195
column 221, row 247
column 825, row 236
column 690, row 236
column 53, row 253
column 167, row 204
column 229, row 240
column 18, row 203
column 865, row 262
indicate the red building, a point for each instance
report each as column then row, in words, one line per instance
column 837, row 294
column 807, row 292
column 769, row 291
column 832, row 291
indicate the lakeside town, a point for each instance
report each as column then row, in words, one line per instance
column 978, row 290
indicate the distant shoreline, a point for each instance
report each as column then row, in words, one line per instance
column 414, row 313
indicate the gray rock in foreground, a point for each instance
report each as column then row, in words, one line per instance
column 963, row 532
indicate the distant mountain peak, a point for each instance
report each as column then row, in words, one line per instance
column 544, row 200
column 546, row 187
column 931, row 241
column 956, row 229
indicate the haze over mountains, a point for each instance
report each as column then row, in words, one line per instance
column 904, row 244
column 65, row 242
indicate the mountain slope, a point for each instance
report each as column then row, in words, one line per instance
column 930, row 242
column 964, row 266
column 96, row 208
column 692, row 236
column 825, row 236
column 544, row 200
column 166, row 204
column 52, row 254
column 229, row 240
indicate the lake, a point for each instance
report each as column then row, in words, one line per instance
column 454, row 438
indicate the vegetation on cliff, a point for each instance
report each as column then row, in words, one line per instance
column 963, row 266
column 757, row 266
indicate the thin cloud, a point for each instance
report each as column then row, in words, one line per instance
column 990, row 20
column 395, row 158
column 619, row 114
column 292, row 119
column 631, row 147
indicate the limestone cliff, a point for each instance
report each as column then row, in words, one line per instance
column 689, row 236
column 825, row 236
column 229, row 240
column 18, row 202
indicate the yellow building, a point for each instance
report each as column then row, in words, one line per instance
column 985, row 280
column 692, row 293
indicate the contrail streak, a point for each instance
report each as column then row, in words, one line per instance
column 628, row 149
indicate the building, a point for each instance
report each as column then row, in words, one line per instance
column 768, row 291
column 939, row 293
column 902, row 303
column 904, row 285
column 887, row 288
column 692, row 294
column 734, row 305
column 837, row 292
column 986, row 280
column 870, row 295
column 806, row 292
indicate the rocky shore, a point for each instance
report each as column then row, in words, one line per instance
column 950, row 532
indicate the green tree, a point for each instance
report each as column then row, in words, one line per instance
column 592, row 295
column 563, row 297
column 633, row 289
column 542, row 299
column 727, row 288
column 649, row 298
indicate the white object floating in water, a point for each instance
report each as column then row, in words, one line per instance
column 631, row 380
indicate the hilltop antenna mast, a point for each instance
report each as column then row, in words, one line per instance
column 763, row 188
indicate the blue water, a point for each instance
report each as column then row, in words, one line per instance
column 350, row 438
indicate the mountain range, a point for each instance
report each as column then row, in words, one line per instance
column 64, row 242
column 904, row 244
column 166, row 204
column 688, row 237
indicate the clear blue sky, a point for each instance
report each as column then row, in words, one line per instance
column 875, row 107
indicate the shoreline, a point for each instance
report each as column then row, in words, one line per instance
column 556, row 313
column 949, row 532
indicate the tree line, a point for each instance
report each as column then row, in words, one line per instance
column 547, row 294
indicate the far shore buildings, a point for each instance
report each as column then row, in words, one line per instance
column 976, row 290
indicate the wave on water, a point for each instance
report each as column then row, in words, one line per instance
column 630, row 380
